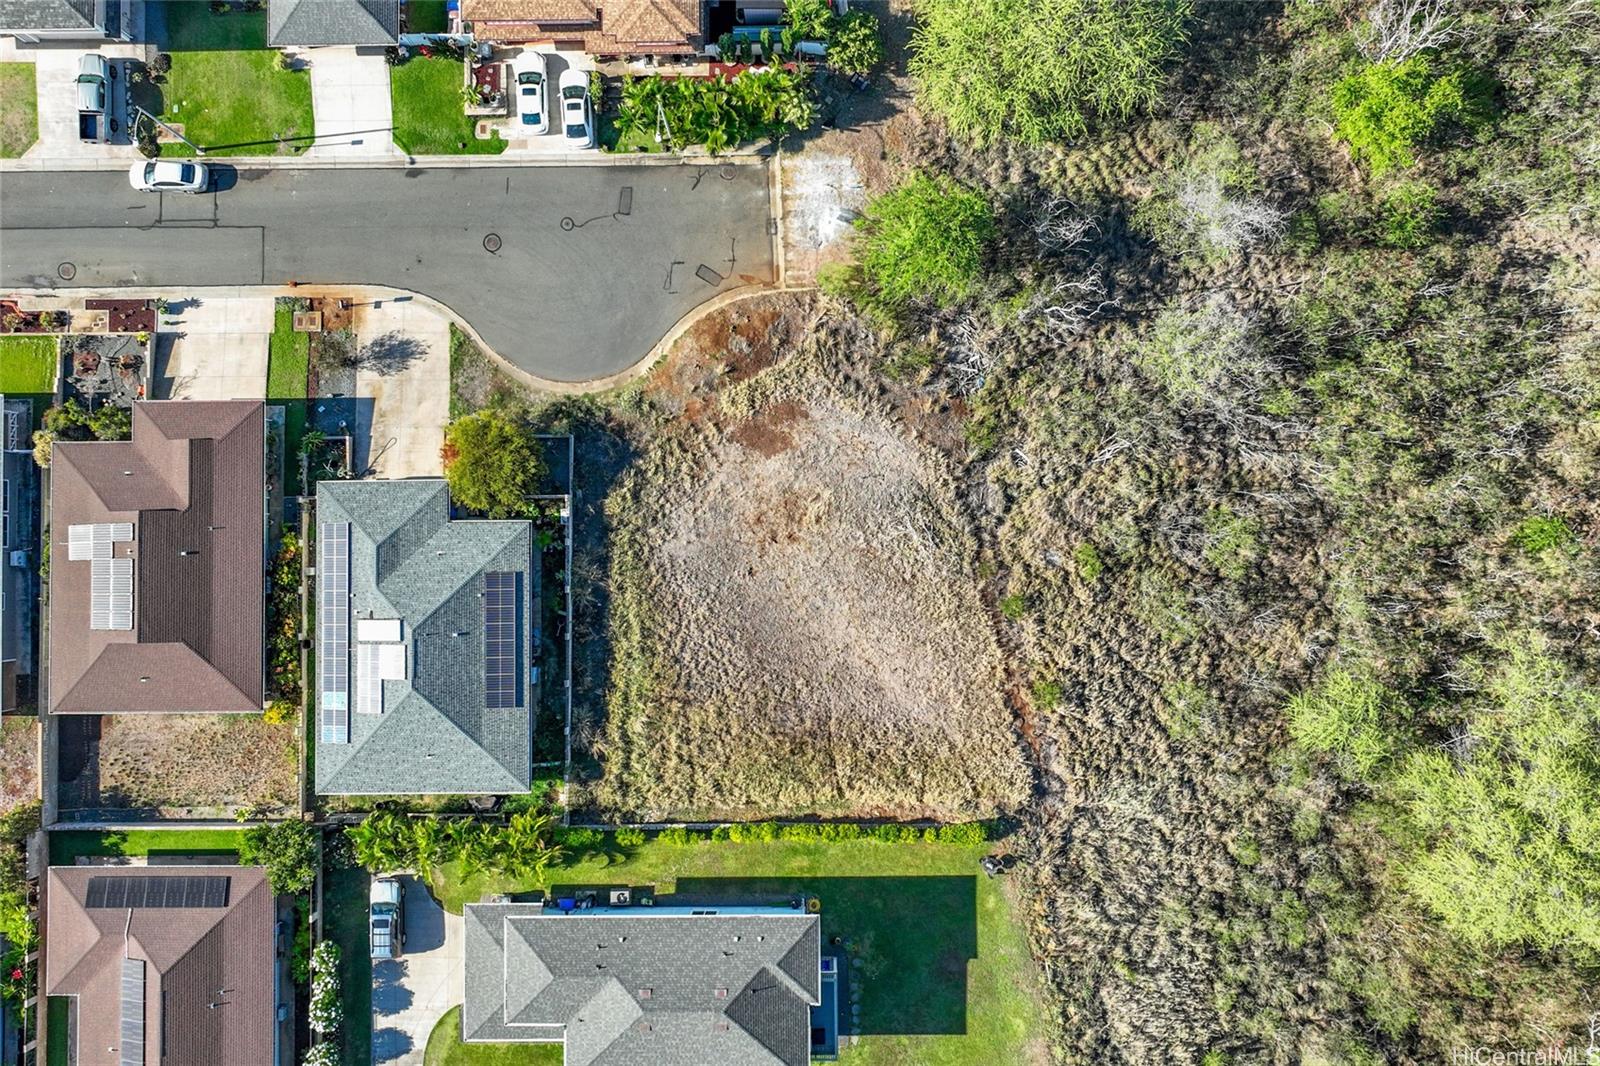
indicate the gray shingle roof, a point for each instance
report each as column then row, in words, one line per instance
column 333, row 22
column 47, row 15
column 409, row 561
column 635, row 988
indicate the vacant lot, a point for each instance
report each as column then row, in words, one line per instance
column 19, row 109
column 796, row 623
column 187, row 765
column 225, row 89
column 943, row 967
column 19, row 762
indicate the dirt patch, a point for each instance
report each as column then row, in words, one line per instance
column 19, row 762
column 797, row 624
column 727, row 347
column 193, row 762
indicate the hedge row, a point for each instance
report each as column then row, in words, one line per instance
column 965, row 834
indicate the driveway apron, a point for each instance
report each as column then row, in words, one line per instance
column 350, row 101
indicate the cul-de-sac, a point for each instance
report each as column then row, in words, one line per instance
column 777, row 532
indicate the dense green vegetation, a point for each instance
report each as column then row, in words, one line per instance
column 1279, row 409
column 493, row 463
column 1042, row 70
column 720, row 112
column 289, row 852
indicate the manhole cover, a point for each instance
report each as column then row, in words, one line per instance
column 492, row 242
column 567, row 224
column 68, row 271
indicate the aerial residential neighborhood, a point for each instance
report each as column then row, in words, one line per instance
column 778, row 532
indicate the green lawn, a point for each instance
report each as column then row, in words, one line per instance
column 428, row 116
column 426, row 16
column 947, row 977
column 225, row 87
column 66, row 847
column 28, row 364
column 19, row 109
column 344, row 921
column 288, row 356
column 446, row 1049
column 57, row 1038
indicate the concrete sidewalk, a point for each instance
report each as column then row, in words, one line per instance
column 351, row 104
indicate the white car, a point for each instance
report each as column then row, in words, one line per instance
column 528, row 74
column 169, row 175
column 577, row 114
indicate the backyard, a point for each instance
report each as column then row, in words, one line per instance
column 344, row 921
column 944, row 969
column 19, row 109
column 19, row 748
column 67, row 847
column 428, row 114
column 28, row 364
column 225, row 89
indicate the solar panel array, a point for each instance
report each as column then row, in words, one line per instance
column 369, row 679
column 132, row 1039
column 110, row 577
column 333, row 631
column 156, row 893
column 502, row 685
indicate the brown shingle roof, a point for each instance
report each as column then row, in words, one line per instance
column 191, row 483
column 612, row 27
column 533, row 11
column 193, row 957
column 653, row 21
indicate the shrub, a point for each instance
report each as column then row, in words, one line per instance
column 966, row 834
column 678, row 836
column 720, row 113
column 325, row 1013
column 278, row 712
column 1013, row 607
column 580, row 841
column 1087, row 559
column 855, row 47
column 1409, row 213
column 809, row 19
column 493, row 464
column 629, row 838
column 1538, row 534
column 1384, row 111
column 322, row 1055
column 924, row 240
column 1209, row 207
column 1041, row 70
column 289, row 852
column 896, row 834
column 1245, row 849
column 1046, row 694
column 1352, row 719
column 16, row 922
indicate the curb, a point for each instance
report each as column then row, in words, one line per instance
column 396, row 162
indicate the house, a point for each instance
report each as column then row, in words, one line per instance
column 65, row 20
column 611, row 28
column 635, row 987
column 19, row 557
column 316, row 23
column 425, row 631
column 157, row 563
column 163, row 964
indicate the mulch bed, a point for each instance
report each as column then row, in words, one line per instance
column 126, row 316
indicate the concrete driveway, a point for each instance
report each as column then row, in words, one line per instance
column 405, row 372
column 55, row 78
column 213, row 348
column 350, row 102
column 410, row 994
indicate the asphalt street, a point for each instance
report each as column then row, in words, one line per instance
column 589, row 269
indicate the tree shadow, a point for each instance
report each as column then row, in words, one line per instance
column 389, row 995
column 390, row 353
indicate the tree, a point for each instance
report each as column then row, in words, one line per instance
column 1351, row 718
column 383, row 841
column 493, row 464
column 924, row 240
column 1384, row 111
column 289, row 852
column 1041, row 70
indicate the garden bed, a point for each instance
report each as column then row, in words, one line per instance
column 126, row 316
column 19, row 759
column 103, row 369
column 13, row 319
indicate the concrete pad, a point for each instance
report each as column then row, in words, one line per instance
column 350, row 101
column 214, row 349
column 410, row 994
column 55, row 77
column 405, row 372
